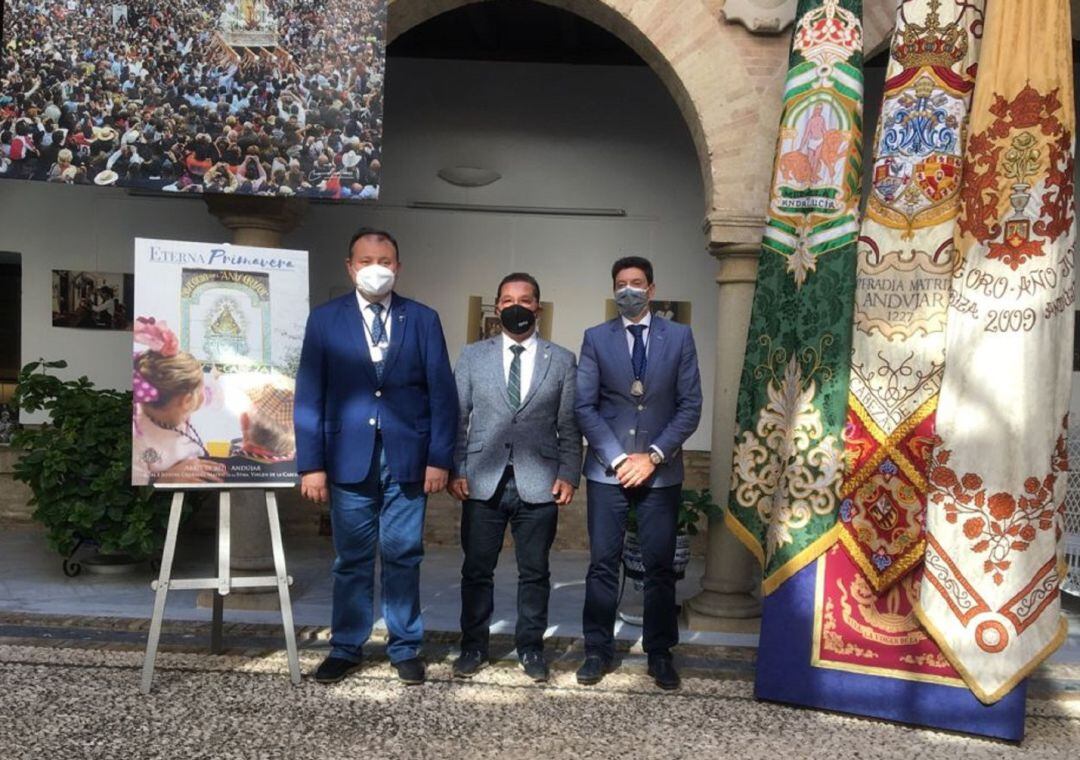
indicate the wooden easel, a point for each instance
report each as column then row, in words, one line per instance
column 222, row 584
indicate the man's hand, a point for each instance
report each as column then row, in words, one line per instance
column 435, row 479
column 563, row 492
column 459, row 489
column 313, row 487
column 192, row 470
column 635, row 470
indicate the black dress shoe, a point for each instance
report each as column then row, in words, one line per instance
column 535, row 667
column 411, row 672
column 593, row 670
column 334, row 669
column 662, row 669
column 469, row 664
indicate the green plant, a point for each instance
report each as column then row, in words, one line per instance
column 78, row 466
column 693, row 506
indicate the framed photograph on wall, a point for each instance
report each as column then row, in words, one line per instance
column 92, row 300
column 484, row 323
column 675, row 311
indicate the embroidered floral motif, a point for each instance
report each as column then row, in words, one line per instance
column 998, row 524
column 1022, row 160
column 785, row 472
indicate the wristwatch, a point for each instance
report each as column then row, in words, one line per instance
column 655, row 458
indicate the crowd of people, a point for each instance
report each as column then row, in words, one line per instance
column 145, row 95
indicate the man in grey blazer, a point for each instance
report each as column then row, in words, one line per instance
column 517, row 460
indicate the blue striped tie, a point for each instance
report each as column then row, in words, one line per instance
column 378, row 337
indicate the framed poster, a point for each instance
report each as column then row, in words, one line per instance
column 251, row 97
column 217, row 336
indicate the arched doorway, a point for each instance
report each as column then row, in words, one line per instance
column 720, row 77
column 725, row 84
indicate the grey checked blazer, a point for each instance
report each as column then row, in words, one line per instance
column 542, row 434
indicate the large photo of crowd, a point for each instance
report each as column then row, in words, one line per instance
column 259, row 97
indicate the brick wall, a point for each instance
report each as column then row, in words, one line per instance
column 441, row 528
column 443, row 522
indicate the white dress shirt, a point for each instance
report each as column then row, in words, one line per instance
column 528, row 360
column 645, row 335
column 368, row 315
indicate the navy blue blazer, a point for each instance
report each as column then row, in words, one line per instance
column 338, row 398
column 614, row 422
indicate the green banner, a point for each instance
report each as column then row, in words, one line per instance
column 789, row 449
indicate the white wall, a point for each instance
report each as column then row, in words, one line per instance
column 559, row 135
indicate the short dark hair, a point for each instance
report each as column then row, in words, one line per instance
column 375, row 233
column 518, row 277
column 632, row 262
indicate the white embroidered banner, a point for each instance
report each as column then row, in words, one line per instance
column 902, row 291
column 997, row 477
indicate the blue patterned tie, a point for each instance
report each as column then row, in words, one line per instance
column 378, row 336
column 513, row 383
column 637, row 356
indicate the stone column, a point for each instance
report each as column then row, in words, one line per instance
column 732, row 579
column 256, row 222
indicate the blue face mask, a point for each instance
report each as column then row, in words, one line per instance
column 631, row 301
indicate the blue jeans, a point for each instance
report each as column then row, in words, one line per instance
column 377, row 513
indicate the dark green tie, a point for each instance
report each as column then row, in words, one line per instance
column 513, row 384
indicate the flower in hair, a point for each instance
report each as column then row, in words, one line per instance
column 156, row 336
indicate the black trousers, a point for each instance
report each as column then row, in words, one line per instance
column 657, row 512
column 483, row 526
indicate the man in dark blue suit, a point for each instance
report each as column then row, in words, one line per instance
column 638, row 400
column 376, row 420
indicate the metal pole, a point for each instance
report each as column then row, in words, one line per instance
column 283, row 581
column 162, row 588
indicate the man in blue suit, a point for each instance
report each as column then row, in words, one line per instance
column 376, row 420
column 638, row 400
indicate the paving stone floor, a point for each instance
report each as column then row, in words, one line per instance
column 71, row 653
column 72, row 702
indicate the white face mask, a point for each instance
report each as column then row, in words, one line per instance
column 375, row 280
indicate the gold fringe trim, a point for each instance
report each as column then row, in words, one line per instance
column 881, row 581
column 746, row 538
column 886, row 444
column 772, row 582
column 989, row 698
column 868, row 670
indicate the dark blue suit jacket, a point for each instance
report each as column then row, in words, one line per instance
column 614, row 422
column 338, row 398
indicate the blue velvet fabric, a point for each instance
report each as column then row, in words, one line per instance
column 784, row 674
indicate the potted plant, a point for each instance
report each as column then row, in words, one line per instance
column 693, row 507
column 78, row 468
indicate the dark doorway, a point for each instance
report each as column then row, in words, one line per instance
column 522, row 31
column 10, row 324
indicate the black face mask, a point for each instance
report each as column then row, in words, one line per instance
column 517, row 320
